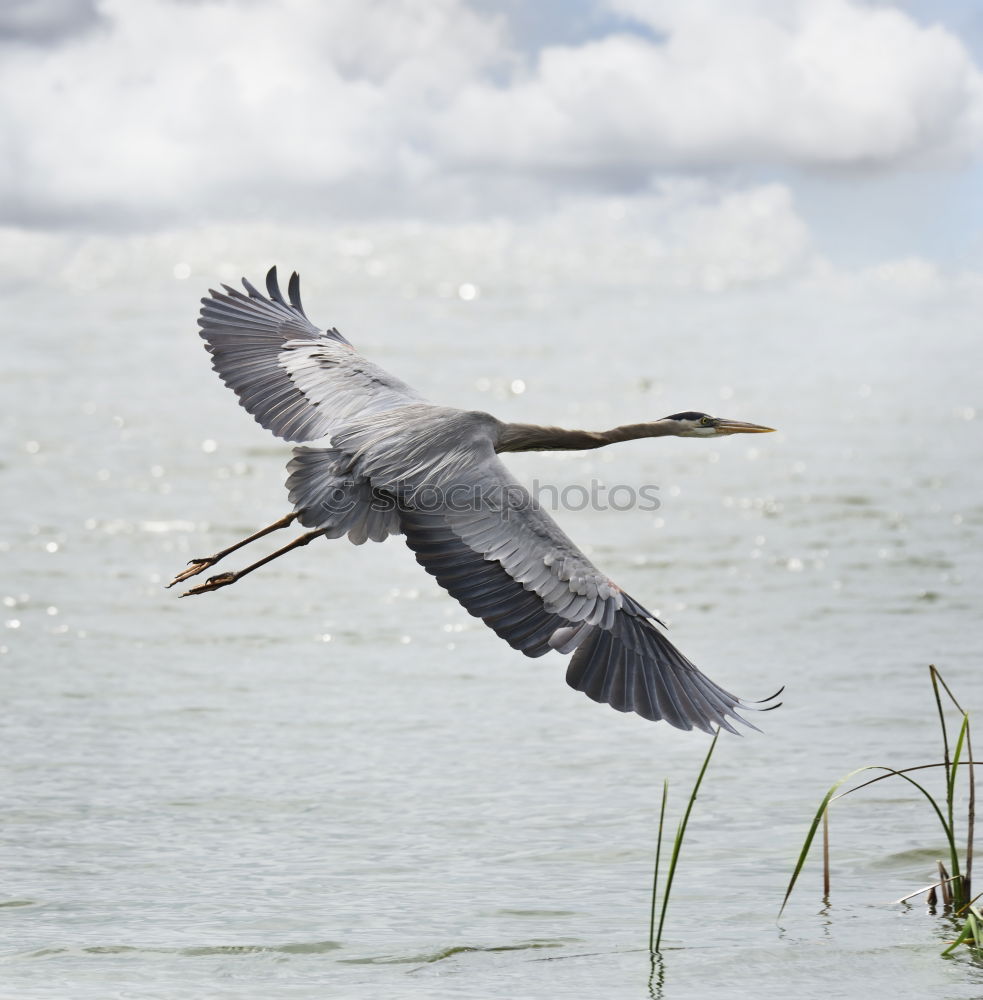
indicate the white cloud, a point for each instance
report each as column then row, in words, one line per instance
column 178, row 109
column 815, row 82
column 171, row 113
column 909, row 275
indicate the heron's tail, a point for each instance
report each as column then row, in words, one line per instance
column 327, row 495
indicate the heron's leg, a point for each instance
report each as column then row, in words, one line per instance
column 195, row 566
column 224, row 579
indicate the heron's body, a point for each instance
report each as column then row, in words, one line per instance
column 400, row 465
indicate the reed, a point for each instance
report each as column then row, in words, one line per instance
column 655, row 933
column 955, row 883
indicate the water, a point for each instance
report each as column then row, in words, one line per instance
column 331, row 781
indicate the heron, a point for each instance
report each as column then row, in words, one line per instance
column 373, row 458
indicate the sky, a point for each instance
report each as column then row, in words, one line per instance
column 743, row 141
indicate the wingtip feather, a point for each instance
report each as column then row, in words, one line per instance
column 273, row 286
column 293, row 293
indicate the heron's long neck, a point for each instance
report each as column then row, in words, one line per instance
column 531, row 437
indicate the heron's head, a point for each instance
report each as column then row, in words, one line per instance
column 694, row 424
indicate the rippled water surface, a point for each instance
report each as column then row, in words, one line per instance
column 329, row 780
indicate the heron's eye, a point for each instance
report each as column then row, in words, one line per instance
column 706, row 421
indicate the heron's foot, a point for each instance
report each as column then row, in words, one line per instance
column 195, row 566
column 212, row 583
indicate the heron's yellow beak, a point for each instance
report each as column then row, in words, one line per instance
column 740, row 427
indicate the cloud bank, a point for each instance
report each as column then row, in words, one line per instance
column 684, row 236
column 814, row 82
column 136, row 115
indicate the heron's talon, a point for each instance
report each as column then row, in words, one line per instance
column 195, row 566
column 212, row 583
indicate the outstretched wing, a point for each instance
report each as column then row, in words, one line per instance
column 507, row 561
column 297, row 381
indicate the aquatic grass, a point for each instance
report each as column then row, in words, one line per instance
column 971, row 932
column 655, row 933
column 964, row 733
column 954, row 883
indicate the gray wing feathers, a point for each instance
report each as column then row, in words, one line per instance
column 293, row 292
column 644, row 672
column 245, row 340
column 620, row 656
column 628, row 664
column 297, row 381
column 483, row 586
column 342, row 383
column 504, row 523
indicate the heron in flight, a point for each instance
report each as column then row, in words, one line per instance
column 399, row 465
